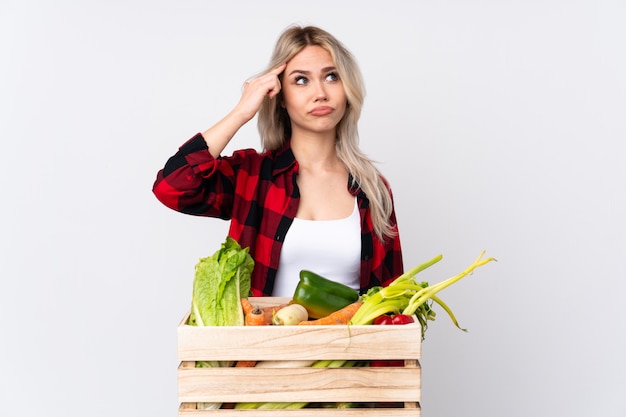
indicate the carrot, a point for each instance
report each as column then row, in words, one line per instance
column 246, row 305
column 256, row 317
column 267, row 312
column 342, row 316
column 245, row 364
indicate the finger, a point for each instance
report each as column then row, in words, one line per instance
column 276, row 71
column 273, row 92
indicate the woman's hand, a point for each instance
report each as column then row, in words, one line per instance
column 255, row 90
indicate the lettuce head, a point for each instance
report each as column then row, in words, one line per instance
column 219, row 284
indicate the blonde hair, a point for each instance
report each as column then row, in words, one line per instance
column 275, row 126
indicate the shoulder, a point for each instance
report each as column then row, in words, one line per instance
column 253, row 157
column 254, row 154
column 267, row 163
column 387, row 186
column 385, row 181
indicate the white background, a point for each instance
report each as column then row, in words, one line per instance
column 500, row 125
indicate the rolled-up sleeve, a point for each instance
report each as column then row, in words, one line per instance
column 194, row 182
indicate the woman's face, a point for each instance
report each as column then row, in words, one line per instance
column 313, row 94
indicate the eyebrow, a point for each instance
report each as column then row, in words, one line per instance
column 324, row 70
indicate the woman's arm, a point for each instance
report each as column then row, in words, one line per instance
column 196, row 180
column 254, row 92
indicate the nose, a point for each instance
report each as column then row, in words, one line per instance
column 320, row 92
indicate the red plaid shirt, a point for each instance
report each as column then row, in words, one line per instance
column 257, row 192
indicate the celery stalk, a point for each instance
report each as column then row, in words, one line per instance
column 426, row 293
column 407, row 295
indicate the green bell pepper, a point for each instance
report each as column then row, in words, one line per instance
column 322, row 296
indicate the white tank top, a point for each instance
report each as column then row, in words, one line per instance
column 330, row 248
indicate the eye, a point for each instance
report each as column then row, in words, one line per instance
column 332, row 76
column 300, row 80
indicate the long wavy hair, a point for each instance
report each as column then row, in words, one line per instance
column 274, row 123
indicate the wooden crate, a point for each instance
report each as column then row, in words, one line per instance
column 377, row 386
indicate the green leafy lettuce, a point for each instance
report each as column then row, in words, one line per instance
column 220, row 282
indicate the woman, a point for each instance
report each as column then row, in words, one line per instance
column 311, row 200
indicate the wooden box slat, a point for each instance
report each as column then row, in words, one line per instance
column 297, row 342
column 298, row 384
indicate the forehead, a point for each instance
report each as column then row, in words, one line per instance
column 310, row 58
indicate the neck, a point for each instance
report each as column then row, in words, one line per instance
column 314, row 151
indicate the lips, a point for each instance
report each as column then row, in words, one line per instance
column 321, row 111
